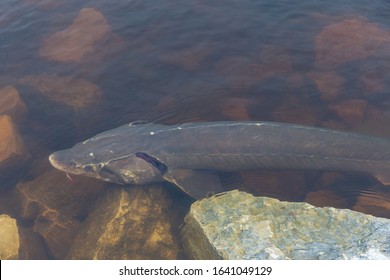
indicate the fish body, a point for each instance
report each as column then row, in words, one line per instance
column 188, row 155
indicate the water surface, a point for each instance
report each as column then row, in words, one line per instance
column 174, row 61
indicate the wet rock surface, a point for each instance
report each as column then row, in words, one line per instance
column 265, row 228
column 9, row 241
column 129, row 223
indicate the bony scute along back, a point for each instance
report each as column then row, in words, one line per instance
column 190, row 155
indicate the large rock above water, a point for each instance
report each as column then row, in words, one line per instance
column 79, row 39
column 9, row 238
column 129, row 223
column 237, row 225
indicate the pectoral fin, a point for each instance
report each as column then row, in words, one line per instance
column 197, row 183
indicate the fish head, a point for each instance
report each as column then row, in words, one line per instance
column 110, row 157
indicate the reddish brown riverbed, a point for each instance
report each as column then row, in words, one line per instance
column 71, row 69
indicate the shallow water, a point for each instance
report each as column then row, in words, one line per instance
column 177, row 61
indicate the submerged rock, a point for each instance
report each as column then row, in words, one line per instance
column 323, row 198
column 56, row 206
column 351, row 111
column 349, row 40
column 79, row 39
column 239, row 70
column 249, row 70
column 329, row 84
column 377, row 204
column 237, row 225
column 274, row 60
column 128, row 223
column 52, row 191
column 281, row 184
column 191, row 58
column 9, row 241
column 74, row 92
column 373, row 81
column 32, row 245
column 236, row 109
column 289, row 112
column 57, row 230
column 12, row 148
column 323, row 193
column 11, row 104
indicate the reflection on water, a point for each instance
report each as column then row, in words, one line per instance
column 71, row 69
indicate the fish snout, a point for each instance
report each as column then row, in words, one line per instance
column 54, row 161
column 60, row 163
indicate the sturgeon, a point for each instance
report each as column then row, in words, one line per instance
column 190, row 155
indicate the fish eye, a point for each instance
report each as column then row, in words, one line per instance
column 75, row 164
column 88, row 168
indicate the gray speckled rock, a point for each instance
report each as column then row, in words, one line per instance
column 237, row 225
column 9, row 238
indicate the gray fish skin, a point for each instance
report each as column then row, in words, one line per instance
column 147, row 153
